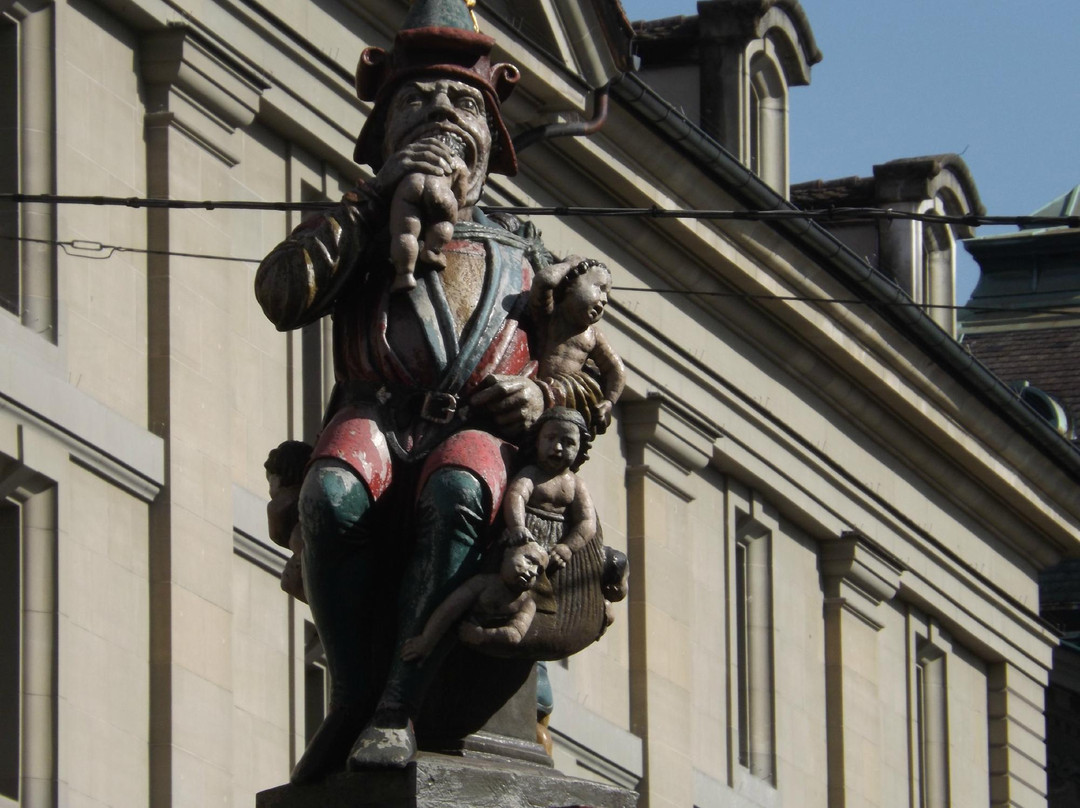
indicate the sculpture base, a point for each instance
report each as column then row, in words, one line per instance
column 445, row 781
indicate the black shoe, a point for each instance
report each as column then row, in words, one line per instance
column 388, row 742
column 329, row 745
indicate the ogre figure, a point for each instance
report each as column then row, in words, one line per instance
column 434, row 380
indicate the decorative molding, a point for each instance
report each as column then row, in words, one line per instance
column 251, row 538
column 95, row 437
column 271, row 558
column 859, row 577
column 198, row 89
column 589, row 759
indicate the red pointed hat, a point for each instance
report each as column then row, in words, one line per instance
column 438, row 38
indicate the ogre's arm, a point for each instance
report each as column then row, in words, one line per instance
column 517, row 496
column 298, row 281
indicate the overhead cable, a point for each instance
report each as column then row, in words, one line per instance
column 829, row 214
column 94, row 250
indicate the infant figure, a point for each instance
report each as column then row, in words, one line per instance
column 498, row 607
column 569, row 298
column 430, row 198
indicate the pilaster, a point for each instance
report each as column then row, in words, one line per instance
column 666, row 447
column 1017, row 738
column 198, row 90
column 858, row 580
column 198, row 98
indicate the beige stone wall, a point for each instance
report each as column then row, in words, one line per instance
column 100, row 151
column 103, row 691
column 813, row 447
column 262, row 670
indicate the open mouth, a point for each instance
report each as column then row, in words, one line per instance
column 453, row 141
column 459, row 143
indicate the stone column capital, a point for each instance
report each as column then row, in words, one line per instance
column 20, row 9
column 666, row 441
column 858, row 576
column 196, row 86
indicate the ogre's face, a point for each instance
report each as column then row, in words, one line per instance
column 447, row 110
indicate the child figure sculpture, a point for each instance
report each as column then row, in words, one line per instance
column 551, row 529
column 431, row 197
column 570, row 298
column 546, row 502
column 499, row 606
column 284, row 473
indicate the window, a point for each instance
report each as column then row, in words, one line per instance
column 928, row 713
column 316, row 354
column 938, row 287
column 754, row 649
column 27, row 621
column 316, row 682
column 9, row 166
column 27, row 104
column 767, row 123
column 10, row 647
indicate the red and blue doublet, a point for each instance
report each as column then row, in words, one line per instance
column 404, row 372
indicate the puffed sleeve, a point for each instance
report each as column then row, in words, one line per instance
column 298, row 281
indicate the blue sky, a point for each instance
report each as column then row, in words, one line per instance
column 997, row 81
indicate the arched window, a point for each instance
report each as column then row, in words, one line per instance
column 767, row 119
column 938, row 281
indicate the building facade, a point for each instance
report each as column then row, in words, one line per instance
column 1021, row 322
column 835, row 519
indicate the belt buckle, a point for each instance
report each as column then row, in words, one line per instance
column 439, row 408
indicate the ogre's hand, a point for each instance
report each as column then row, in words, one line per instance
column 429, row 155
column 517, row 536
column 603, row 415
column 514, row 401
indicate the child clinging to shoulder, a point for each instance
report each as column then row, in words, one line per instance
column 569, row 298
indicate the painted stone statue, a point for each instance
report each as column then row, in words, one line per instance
column 436, row 354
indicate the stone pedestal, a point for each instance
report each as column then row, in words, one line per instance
column 447, row 781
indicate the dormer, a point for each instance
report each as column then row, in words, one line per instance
column 730, row 69
column 920, row 256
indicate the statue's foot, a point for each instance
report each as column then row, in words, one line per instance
column 329, row 745
column 387, row 742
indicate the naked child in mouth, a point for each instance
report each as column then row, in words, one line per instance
column 440, row 125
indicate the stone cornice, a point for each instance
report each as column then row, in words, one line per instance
column 93, row 436
column 740, row 21
column 251, row 539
